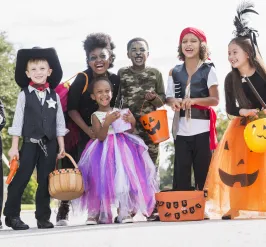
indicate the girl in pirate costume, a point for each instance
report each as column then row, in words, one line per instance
column 236, row 179
column 192, row 89
column 40, row 121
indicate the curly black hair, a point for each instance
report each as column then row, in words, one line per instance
column 204, row 52
column 135, row 40
column 95, row 80
column 99, row 40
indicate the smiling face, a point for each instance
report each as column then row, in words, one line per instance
column 255, row 135
column 242, row 172
column 138, row 53
column 237, row 57
column 190, row 46
column 99, row 60
column 38, row 71
column 236, row 176
column 102, row 93
column 151, row 125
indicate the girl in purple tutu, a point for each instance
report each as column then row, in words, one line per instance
column 116, row 167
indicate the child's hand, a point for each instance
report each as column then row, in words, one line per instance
column 187, row 103
column 129, row 118
column 150, row 96
column 176, row 104
column 111, row 117
column 91, row 133
column 249, row 112
column 61, row 154
column 13, row 152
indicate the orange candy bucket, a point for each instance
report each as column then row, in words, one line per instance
column 180, row 205
column 156, row 125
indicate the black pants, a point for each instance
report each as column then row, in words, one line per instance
column 31, row 155
column 75, row 153
column 191, row 151
column 1, row 179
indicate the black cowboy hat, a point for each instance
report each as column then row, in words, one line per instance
column 49, row 54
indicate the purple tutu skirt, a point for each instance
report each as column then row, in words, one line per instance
column 119, row 172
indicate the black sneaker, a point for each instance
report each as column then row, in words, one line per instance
column 154, row 216
column 1, row 225
column 62, row 215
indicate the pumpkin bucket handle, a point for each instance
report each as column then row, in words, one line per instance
column 71, row 159
column 157, row 96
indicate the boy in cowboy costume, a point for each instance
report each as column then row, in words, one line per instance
column 40, row 121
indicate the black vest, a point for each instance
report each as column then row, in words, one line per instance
column 198, row 86
column 39, row 121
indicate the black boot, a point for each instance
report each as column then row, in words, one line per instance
column 15, row 223
column 62, row 215
column 44, row 224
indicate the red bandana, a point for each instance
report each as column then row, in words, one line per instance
column 213, row 132
column 39, row 87
column 200, row 34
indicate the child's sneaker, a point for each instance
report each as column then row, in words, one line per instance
column 127, row 219
column 91, row 221
column 62, row 215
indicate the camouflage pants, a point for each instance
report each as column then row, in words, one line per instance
column 153, row 148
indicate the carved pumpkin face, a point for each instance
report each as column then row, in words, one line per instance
column 237, row 174
column 255, row 135
column 243, row 174
column 151, row 126
column 156, row 125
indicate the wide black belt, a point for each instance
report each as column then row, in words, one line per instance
column 41, row 142
column 197, row 114
column 35, row 140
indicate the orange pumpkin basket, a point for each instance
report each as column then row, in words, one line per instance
column 66, row 184
column 155, row 123
column 181, row 205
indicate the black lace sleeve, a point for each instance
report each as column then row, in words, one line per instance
column 2, row 116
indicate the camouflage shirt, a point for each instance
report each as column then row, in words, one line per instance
column 133, row 87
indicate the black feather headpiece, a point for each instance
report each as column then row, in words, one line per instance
column 241, row 23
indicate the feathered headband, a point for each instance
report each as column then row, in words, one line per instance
column 241, row 24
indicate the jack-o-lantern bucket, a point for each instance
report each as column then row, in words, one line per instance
column 156, row 125
column 255, row 135
column 180, row 205
column 66, row 184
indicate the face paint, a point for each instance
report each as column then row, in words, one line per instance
column 138, row 53
column 99, row 60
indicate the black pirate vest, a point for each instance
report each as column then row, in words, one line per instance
column 39, row 120
column 198, row 87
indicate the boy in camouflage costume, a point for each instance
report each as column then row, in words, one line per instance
column 137, row 84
